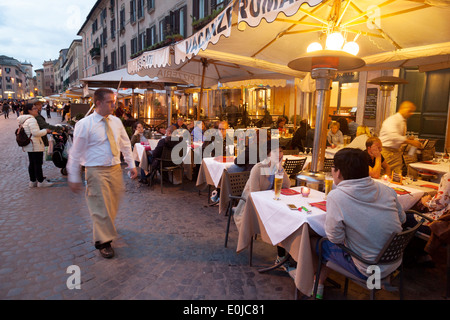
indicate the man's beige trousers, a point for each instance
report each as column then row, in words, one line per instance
column 103, row 193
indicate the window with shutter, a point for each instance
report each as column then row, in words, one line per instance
column 151, row 36
column 133, row 11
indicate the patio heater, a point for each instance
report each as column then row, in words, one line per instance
column 386, row 84
column 170, row 84
column 323, row 65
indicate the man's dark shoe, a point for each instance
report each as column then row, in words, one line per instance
column 105, row 249
column 107, row 252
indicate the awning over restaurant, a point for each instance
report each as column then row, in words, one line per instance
column 389, row 34
column 114, row 78
column 267, row 35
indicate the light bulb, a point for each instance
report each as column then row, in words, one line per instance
column 351, row 47
column 335, row 41
column 315, row 46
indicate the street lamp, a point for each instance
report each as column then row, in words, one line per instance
column 323, row 65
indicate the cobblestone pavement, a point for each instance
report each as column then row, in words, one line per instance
column 170, row 246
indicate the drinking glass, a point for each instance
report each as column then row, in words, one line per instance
column 278, row 182
column 328, row 184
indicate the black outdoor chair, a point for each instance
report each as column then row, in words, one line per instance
column 166, row 165
column 392, row 252
column 236, row 181
column 327, row 164
column 293, row 166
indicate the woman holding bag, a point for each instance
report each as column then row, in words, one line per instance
column 36, row 147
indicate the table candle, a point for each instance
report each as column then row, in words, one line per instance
column 385, row 177
column 305, row 192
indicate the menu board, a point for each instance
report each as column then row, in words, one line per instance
column 370, row 107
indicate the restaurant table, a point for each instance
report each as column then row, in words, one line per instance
column 212, row 173
column 440, row 168
column 140, row 155
column 277, row 224
column 330, row 152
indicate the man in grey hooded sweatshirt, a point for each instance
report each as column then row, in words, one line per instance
column 361, row 214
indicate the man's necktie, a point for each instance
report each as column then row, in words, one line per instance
column 112, row 141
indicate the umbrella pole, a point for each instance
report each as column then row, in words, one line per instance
column 295, row 107
column 204, row 63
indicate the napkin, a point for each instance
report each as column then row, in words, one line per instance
column 147, row 148
column 289, row 192
column 321, row 205
column 401, row 191
column 430, row 186
column 430, row 162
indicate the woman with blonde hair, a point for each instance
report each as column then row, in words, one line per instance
column 362, row 134
column 363, row 130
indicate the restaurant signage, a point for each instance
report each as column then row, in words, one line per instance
column 184, row 77
column 211, row 33
column 253, row 11
column 150, row 59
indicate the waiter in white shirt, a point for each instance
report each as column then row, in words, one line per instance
column 97, row 142
column 393, row 135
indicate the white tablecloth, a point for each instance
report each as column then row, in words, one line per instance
column 138, row 152
column 280, row 221
column 215, row 169
column 441, row 168
column 330, row 152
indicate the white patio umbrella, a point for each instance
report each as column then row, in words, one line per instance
column 199, row 72
column 268, row 35
column 390, row 34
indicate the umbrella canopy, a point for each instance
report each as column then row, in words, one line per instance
column 114, row 78
column 256, row 39
column 390, row 34
column 197, row 70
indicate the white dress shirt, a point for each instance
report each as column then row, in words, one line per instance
column 393, row 131
column 91, row 147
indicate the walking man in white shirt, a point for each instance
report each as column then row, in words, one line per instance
column 97, row 142
column 393, row 135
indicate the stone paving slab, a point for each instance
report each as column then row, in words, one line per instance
column 170, row 246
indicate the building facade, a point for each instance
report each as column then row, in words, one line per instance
column 39, row 89
column 15, row 78
column 49, row 77
column 72, row 68
column 117, row 30
column 58, row 67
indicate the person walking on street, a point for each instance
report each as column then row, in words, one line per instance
column 5, row 110
column 66, row 110
column 97, row 142
column 36, row 147
column 393, row 135
column 48, row 110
